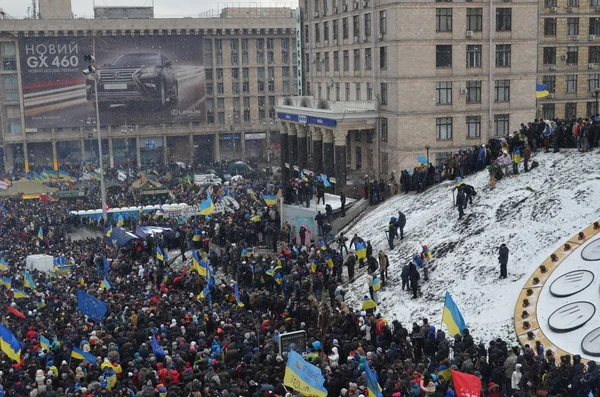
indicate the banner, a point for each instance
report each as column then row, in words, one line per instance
column 303, row 377
column 466, row 385
column 141, row 79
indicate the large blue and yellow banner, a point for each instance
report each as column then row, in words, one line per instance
column 303, row 377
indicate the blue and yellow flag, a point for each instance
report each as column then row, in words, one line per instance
column 270, row 200
column 41, row 234
column 200, row 265
column 236, row 292
column 44, row 342
column 109, row 231
column 28, row 280
column 82, row 355
column 303, row 377
column 329, row 261
column 373, row 388
column 3, row 265
column 541, row 91
column 6, row 281
column 18, row 294
column 361, row 250
column 255, row 218
column 251, row 193
column 9, row 344
column 105, row 285
column 160, row 255
column 278, row 278
column 207, row 207
column 452, row 317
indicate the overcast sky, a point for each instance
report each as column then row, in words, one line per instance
column 162, row 8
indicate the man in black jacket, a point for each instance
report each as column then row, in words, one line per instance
column 460, row 201
column 469, row 193
column 401, row 223
column 503, row 259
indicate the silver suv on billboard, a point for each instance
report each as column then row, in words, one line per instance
column 136, row 78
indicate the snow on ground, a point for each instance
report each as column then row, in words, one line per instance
column 533, row 213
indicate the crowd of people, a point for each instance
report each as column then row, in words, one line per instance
column 172, row 331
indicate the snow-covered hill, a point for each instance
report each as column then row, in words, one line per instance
column 533, row 213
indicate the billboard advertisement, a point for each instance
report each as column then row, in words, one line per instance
column 140, row 80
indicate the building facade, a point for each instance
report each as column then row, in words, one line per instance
column 569, row 57
column 188, row 90
column 440, row 76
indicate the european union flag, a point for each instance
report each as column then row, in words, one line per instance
column 90, row 306
column 156, row 349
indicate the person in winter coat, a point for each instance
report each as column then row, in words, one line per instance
column 383, row 266
column 414, row 279
column 401, row 223
column 516, row 380
column 460, row 202
column 405, row 276
column 503, row 259
column 526, row 156
column 505, row 160
column 469, row 193
column 509, row 367
column 334, row 358
column 351, row 264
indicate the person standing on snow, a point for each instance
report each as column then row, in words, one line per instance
column 460, row 201
column 469, row 193
column 503, row 259
column 392, row 232
column 401, row 223
column 414, row 279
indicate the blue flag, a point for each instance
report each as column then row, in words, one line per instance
column 92, row 307
column 106, row 266
column 156, row 349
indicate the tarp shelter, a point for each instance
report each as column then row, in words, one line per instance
column 43, row 263
column 149, row 187
column 120, row 237
column 26, row 187
column 144, row 231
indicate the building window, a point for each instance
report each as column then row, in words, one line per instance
column 355, row 26
column 473, row 126
column 593, row 54
column 384, row 129
column 317, row 32
column 383, row 22
column 369, row 91
column 357, row 60
column 368, row 25
column 326, row 31
column 474, row 91
column 369, row 158
column 594, row 3
column 337, row 91
column 502, row 90
column 592, row 109
column 209, row 74
column 550, row 3
column 443, row 19
column 443, row 91
column 358, row 158
column 326, row 61
column 209, row 89
column 571, row 83
column 572, row 55
column 384, row 93
column 382, row 58
column 318, row 61
column 9, row 57
column 13, row 118
column 550, row 82
column 473, row 56
column 572, row 3
column 336, row 61
column 443, row 128
column 503, row 19
column 474, row 19
column 10, row 87
column 368, row 59
column 335, row 29
column 346, row 91
column 219, row 74
column 503, row 55
column 570, row 110
column 549, row 26
column 219, row 59
column 357, row 91
column 443, row 56
column 595, row 26
column 501, row 124
column 220, row 103
column 384, row 163
column 572, row 26
column 345, row 28
column 220, row 90
column 346, row 60
column 549, row 57
column 593, row 81
column 548, row 111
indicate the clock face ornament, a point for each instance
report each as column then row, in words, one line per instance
column 559, row 304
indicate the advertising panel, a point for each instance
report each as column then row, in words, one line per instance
column 140, row 79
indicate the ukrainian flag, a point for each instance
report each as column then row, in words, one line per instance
column 329, row 261
column 251, row 193
column 28, row 280
column 40, row 305
column 236, row 292
column 41, row 234
column 303, row 377
column 541, row 91
column 44, row 342
column 361, row 250
column 159, row 254
column 246, row 252
column 18, row 294
column 270, row 200
column 313, row 266
column 6, row 281
column 207, row 207
column 3, row 265
column 81, row 355
column 255, row 218
column 204, row 293
column 278, row 279
column 452, row 317
column 199, row 265
column 109, row 231
column 9, row 344
column 105, row 285
column 373, row 388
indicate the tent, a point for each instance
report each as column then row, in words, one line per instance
column 144, row 231
column 25, row 186
column 120, row 237
column 150, row 187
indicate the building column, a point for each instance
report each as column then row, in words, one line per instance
column 111, row 158
column 328, row 153
column 301, row 138
column 82, row 150
column 243, row 144
column 138, row 152
column 9, row 156
column 25, row 156
column 165, row 150
column 340, row 159
column 285, row 174
column 191, row 148
column 293, row 147
column 317, row 139
column 54, row 156
column 217, row 154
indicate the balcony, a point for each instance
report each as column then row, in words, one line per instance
column 341, row 111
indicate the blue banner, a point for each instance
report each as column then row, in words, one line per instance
column 302, row 119
column 90, row 306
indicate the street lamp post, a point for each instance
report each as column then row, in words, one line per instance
column 427, row 148
column 596, row 93
column 91, row 71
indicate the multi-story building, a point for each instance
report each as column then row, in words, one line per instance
column 569, row 57
column 387, row 80
column 188, row 89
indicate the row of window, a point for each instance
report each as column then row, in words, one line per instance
column 322, row 30
column 443, row 126
column 570, row 3
column 236, row 44
column 358, row 56
column 239, row 113
column 593, row 82
column 245, row 87
column 443, row 91
column 245, row 58
column 573, row 26
column 443, row 56
column 245, row 74
column 347, row 91
column 549, row 110
column 571, row 57
column 443, row 19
